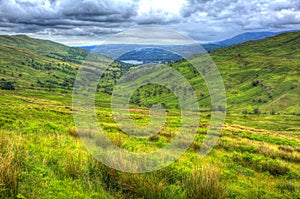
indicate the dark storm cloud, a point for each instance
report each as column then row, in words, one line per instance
column 202, row 19
column 252, row 14
column 44, row 15
column 97, row 8
column 157, row 20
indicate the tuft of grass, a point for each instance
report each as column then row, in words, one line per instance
column 261, row 163
column 286, row 148
column 297, row 149
column 73, row 132
column 10, row 167
column 203, row 183
column 145, row 186
column 283, row 187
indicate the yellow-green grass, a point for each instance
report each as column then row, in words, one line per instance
column 257, row 155
column 51, row 162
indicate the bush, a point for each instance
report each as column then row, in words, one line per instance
column 256, row 111
column 255, row 83
column 245, row 112
column 6, row 85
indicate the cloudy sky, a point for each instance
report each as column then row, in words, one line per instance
column 86, row 22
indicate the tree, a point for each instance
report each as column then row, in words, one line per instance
column 245, row 112
column 6, row 85
column 256, row 111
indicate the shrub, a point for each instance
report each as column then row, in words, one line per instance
column 256, row 111
column 255, row 83
column 245, row 112
column 6, row 85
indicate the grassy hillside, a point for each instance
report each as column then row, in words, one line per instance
column 258, row 74
column 257, row 155
column 263, row 74
column 261, row 77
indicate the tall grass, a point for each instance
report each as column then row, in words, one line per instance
column 203, row 183
column 10, row 167
column 198, row 184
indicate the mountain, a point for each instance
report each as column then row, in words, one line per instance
column 248, row 36
column 116, row 50
column 150, row 55
column 145, row 53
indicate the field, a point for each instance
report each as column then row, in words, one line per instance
column 43, row 157
column 256, row 156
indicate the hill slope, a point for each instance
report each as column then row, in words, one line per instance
column 263, row 73
column 257, row 74
column 28, row 63
column 41, row 155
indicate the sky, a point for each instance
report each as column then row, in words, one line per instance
column 89, row 22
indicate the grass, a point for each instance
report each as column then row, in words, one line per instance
column 203, row 183
column 56, row 164
column 257, row 155
column 10, row 167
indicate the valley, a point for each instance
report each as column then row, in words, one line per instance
column 256, row 156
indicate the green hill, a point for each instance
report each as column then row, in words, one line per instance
column 263, row 74
column 44, row 47
column 257, row 155
column 34, row 64
column 257, row 74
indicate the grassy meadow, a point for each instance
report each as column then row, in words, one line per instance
column 256, row 156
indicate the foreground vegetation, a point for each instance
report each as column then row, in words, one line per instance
column 43, row 157
column 257, row 155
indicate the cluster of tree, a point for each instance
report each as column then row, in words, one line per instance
column 6, row 85
column 73, row 56
column 255, row 111
column 50, row 83
column 63, row 67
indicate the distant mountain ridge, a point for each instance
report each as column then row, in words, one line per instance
column 248, row 36
column 165, row 53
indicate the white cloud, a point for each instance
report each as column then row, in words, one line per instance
column 205, row 20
